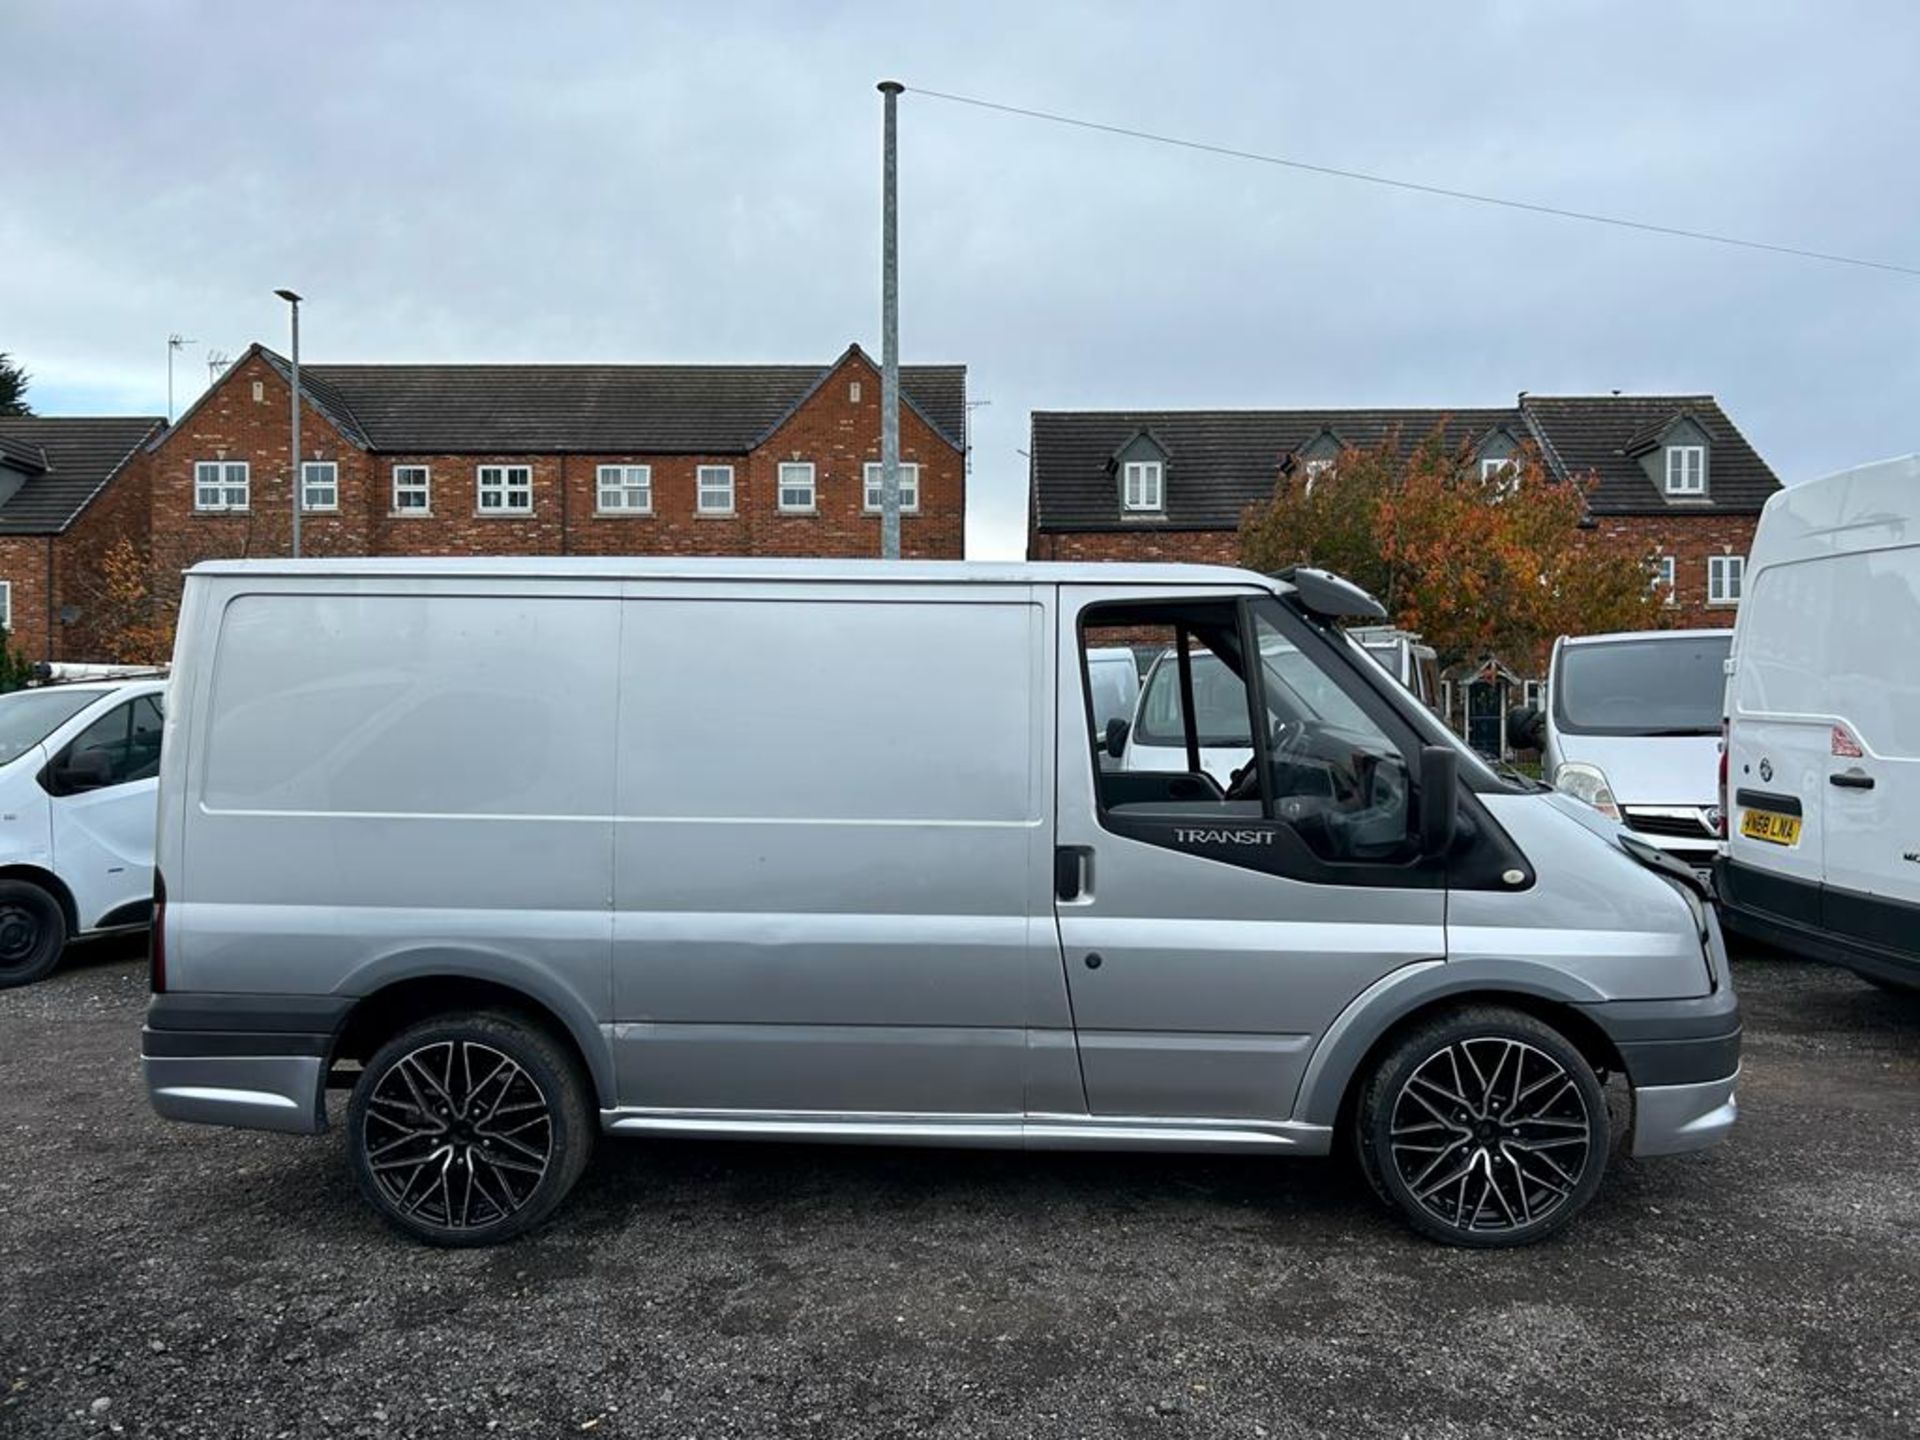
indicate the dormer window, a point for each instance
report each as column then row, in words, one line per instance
column 1686, row 470
column 1314, row 471
column 1143, row 485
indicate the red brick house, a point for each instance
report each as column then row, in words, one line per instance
column 1672, row 473
column 70, row 488
column 558, row 459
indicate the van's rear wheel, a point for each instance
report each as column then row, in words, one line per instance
column 1485, row 1127
column 469, row 1129
column 33, row 932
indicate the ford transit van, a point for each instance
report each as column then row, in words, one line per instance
column 1823, row 725
column 526, row 852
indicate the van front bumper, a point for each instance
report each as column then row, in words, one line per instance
column 256, row 1062
column 1673, row 1119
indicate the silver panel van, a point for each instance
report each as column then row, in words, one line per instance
column 528, row 851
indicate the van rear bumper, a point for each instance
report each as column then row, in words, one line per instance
column 1861, row 932
column 254, row 1092
column 254, row 1061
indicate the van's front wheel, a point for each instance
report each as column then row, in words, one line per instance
column 1485, row 1127
column 33, row 932
column 469, row 1129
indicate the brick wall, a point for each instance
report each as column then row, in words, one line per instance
column 1192, row 547
column 1690, row 539
column 23, row 565
column 838, row 433
column 121, row 511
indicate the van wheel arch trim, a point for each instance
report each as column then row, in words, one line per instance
column 1397, row 996
column 538, row 991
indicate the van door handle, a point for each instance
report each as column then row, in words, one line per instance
column 1852, row 780
column 1070, row 864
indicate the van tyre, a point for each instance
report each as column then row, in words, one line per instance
column 469, row 1129
column 33, row 932
column 1485, row 1127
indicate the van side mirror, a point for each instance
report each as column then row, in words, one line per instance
column 1527, row 727
column 90, row 769
column 1439, row 798
column 1117, row 737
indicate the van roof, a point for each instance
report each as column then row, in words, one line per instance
column 1863, row 508
column 1614, row 636
column 596, row 567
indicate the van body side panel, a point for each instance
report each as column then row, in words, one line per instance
column 830, row 850
column 1213, row 982
column 419, row 786
column 1614, row 930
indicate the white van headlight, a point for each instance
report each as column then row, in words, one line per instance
column 1588, row 784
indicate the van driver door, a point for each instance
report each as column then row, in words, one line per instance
column 1213, row 930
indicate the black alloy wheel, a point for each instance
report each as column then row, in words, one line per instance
column 1487, row 1128
column 469, row 1129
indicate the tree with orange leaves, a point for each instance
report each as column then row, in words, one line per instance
column 1480, row 566
column 126, row 623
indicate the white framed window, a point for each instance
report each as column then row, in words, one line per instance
column 6, row 606
column 909, row 488
column 1501, row 472
column 1532, row 692
column 220, row 484
column 1686, row 470
column 796, row 487
column 1663, row 578
column 505, row 489
column 1725, row 573
column 713, row 489
column 320, row 485
column 1143, row 485
column 412, row 490
column 624, row 490
column 1314, row 471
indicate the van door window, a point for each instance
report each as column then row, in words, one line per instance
column 1283, row 767
column 120, row 747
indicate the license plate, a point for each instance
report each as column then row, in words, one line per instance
column 1772, row 828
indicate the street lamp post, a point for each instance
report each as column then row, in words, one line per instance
column 890, row 331
column 293, row 303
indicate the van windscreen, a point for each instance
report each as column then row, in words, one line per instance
column 1642, row 687
column 28, row 716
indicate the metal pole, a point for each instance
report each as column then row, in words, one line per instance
column 293, row 302
column 890, row 336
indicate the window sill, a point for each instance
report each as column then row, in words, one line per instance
column 409, row 514
column 320, row 510
column 716, row 514
column 503, row 514
column 798, row 514
column 228, row 510
column 600, row 514
column 1723, row 604
column 875, row 514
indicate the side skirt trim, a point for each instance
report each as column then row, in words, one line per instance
column 1013, row 1132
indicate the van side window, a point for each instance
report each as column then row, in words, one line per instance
column 1335, row 789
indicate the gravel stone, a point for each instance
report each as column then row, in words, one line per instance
column 217, row 1283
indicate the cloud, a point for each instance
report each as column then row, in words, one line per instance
column 490, row 181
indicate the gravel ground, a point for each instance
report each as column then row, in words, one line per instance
column 180, row 1281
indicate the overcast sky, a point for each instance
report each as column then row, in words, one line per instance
column 702, row 183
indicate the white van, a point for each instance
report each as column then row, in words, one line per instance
column 528, row 851
column 1632, row 727
column 78, row 770
column 1823, row 725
